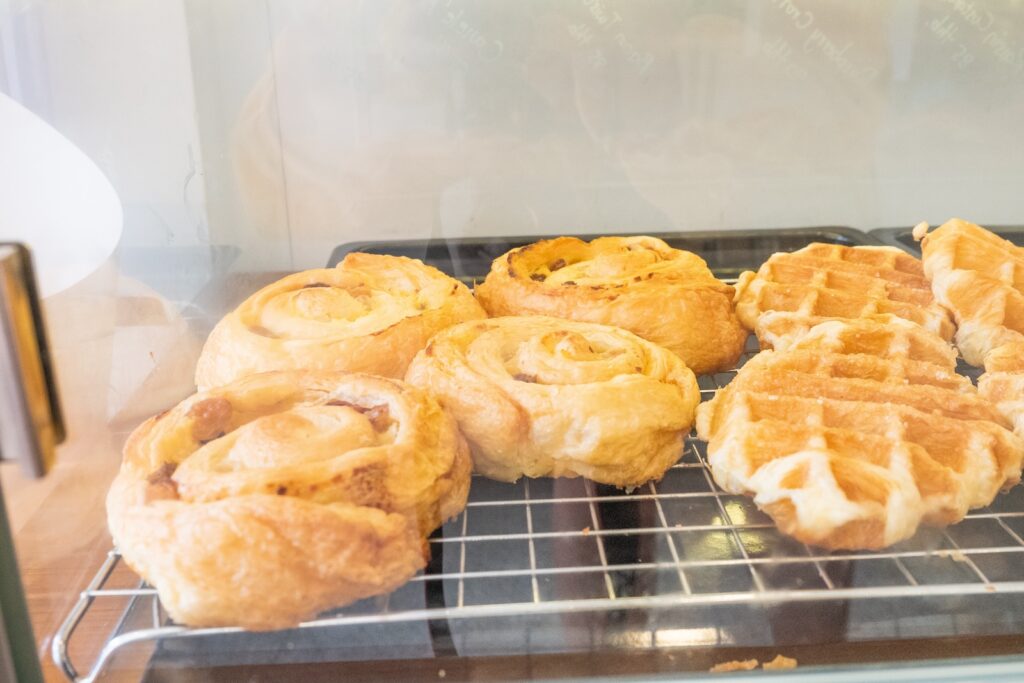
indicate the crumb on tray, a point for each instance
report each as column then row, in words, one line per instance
column 735, row 665
column 780, row 662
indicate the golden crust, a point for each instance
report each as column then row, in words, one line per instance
column 851, row 438
column 829, row 281
column 543, row 396
column 640, row 284
column 979, row 277
column 1003, row 382
column 371, row 313
column 280, row 495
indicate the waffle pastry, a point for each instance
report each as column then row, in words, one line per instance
column 641, row 284
column 856, row 433
column 979, row 277
column 824, row 282
column 371, row 313
column 280, row 495
column 543, row 396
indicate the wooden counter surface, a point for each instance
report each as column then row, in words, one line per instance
column 122, row 352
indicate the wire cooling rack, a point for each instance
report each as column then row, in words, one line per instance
column 572, row 547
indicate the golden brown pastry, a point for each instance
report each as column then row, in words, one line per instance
column 543, row 396
column 1003, row 382
column 979, row 277
column 280, row 495
column 857, row 433
column 640, row 284
column 371, row 313
column 824, row 282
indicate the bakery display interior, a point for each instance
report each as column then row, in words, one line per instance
column 544, row 571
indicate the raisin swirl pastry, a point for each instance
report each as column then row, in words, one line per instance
column 542, row 396
column 371, row 313
column 641, row 284
column 283, row 494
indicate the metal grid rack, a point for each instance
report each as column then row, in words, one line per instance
column 569, row 546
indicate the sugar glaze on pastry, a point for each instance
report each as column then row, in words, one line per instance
column 541, row 396
column 371, row 313
column 824, row 282
column 857, row 433
column 640, row 284
column 283, row 494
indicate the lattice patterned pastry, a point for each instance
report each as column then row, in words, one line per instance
column 856, row 434
column 824, row 282
column 979, row 277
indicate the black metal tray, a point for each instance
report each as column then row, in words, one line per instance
column 901, row 237
column 728, row 253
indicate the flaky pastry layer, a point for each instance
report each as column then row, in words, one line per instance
column 979, row 277
column 283, row 494
column 640, row 284
column 541, row 396
column 371, row 313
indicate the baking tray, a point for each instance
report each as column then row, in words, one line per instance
column 554, row 578
column 727, row 253
column 901, row 237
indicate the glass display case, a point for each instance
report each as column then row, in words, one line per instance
column 163, row 161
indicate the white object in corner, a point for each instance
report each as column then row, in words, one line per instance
column 54, row 199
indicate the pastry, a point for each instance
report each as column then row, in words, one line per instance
column 979, row 277
column 640, row 284
column 371, row 313
column 283, row 494
column 829, row 281
column 856, row 434
column 1003, row 382
column 884, row 335
column 541, row 396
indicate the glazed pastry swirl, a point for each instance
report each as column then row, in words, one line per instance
column 641, row 284
column 371, row 313
column 283, row 494
column 543, row 396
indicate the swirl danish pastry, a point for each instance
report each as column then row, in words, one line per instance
column 270, row 499
column 371, row 313
column 542, row 396
column 640, row 284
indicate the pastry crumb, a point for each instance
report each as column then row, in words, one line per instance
column 990, row 588
column 920, row 230
column 586, row 531
column 734, row 665
column 780, row 662
column 954, row 554
column 441, row 673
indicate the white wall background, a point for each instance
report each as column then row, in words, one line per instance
column 286, row 127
